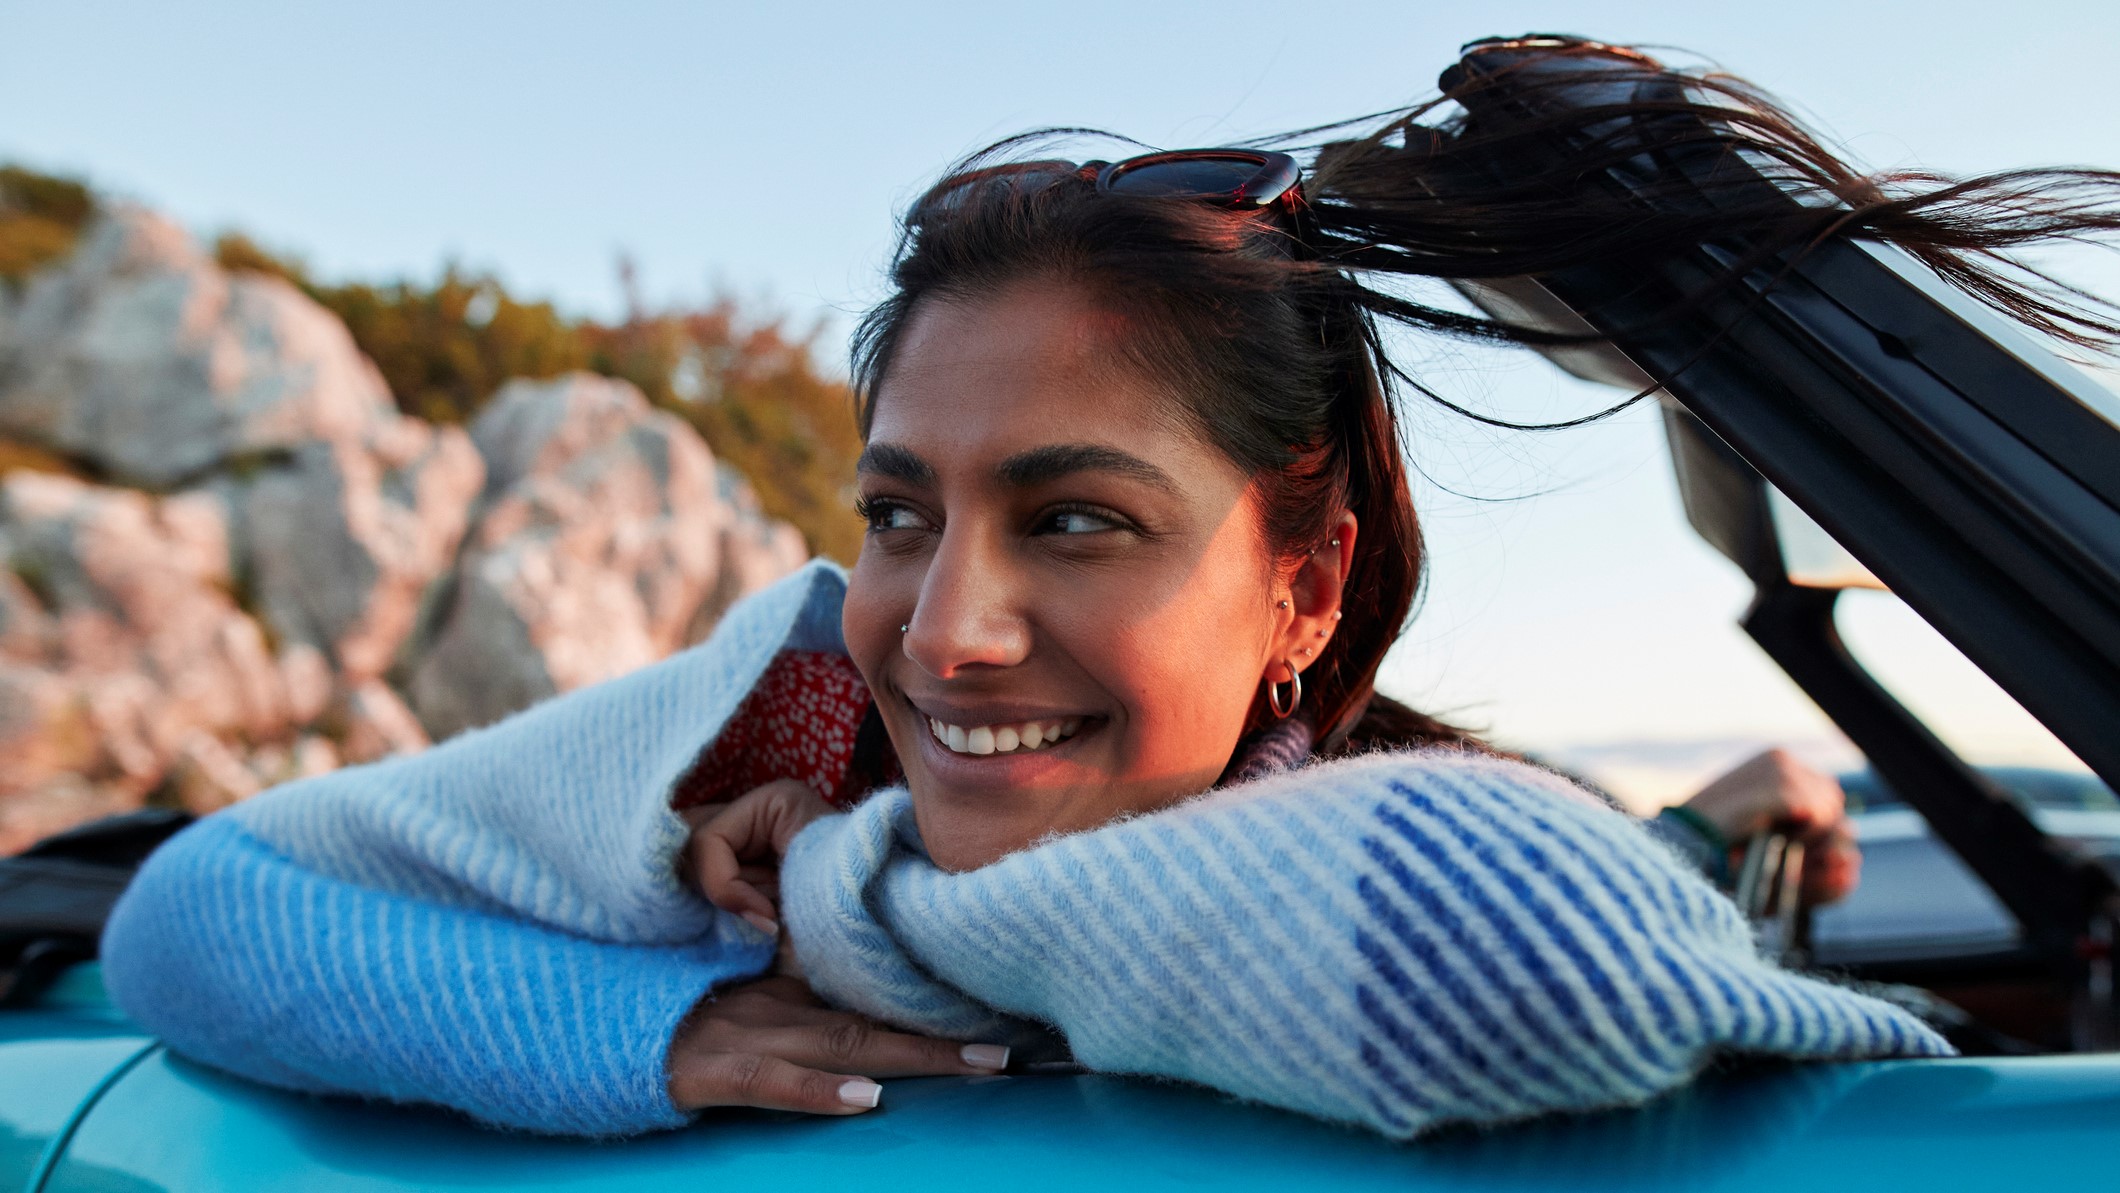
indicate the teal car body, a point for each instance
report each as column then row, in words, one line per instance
column 90, row 1104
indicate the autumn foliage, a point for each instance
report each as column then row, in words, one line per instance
column 748, row 385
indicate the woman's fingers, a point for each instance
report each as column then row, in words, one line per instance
column 782, row 990
column 728, row 847
column 770, row 1083
column 720, row 877
column 1832, row 864
column 858, row 1046
column 1768, row 789
column 769, row 1044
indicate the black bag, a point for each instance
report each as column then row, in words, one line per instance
column 55, row 895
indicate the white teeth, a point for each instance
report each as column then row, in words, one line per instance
column 1004, row 739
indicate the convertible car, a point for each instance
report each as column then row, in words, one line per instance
column 1843, row 419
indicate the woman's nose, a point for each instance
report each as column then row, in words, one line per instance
column 970, row 612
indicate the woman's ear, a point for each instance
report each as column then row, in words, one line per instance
column 1315, row 591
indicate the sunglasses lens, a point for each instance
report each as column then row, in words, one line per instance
column 1186, row 177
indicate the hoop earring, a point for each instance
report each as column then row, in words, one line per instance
column 1295, row 694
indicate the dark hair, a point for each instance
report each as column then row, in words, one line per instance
column 1269, row 336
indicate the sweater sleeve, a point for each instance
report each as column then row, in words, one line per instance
column 239, row 958
column 1399, row 941
column 496, row 924
column 561, row 813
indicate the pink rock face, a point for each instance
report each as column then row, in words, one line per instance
column 284, row 559
column 147, row 647
column 342, row 542
column 371, row 722
column 140, row 355
column 597, row 544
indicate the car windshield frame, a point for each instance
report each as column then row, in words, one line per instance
column 1941, row 449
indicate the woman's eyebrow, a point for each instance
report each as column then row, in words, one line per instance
column 891, row 460
column 1041, row 464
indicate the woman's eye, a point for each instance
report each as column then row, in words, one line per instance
column 889, row 515
column 1077, row 522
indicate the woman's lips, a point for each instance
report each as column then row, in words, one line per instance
column 1005, row 738
column 985, row 730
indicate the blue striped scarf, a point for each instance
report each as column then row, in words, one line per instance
column 1399, row 941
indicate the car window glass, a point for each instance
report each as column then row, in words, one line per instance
column 1961, row 705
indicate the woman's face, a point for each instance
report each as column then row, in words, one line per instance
column 1070, row 562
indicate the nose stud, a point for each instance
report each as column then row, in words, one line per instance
column 902, row 629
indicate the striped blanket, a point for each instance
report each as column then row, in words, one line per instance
column 1399, row 942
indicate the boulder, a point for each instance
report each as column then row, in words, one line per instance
column 755, row 551
column 142, row 357
column 339, row 544
column 596, row 544
column 370, row 722
column 145, row 646
column 207, row 776
column 44, row 729
column 27, row 632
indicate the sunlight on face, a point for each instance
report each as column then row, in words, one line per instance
column 1070, row 559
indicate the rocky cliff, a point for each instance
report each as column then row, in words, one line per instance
column 238, row 563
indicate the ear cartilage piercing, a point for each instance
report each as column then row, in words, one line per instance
column 1335, row 542
column 1281, row 605
column 1336, row 615
column 1321, row 633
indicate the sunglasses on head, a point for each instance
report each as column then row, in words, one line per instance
column 1240, row 180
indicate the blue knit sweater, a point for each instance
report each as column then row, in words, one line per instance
column 1399, row 941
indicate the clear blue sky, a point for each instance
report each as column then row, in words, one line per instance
column 765, row 148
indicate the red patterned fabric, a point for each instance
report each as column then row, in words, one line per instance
column 800, row 722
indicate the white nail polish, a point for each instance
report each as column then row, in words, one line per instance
column 866, row 1094
column 985, row 1056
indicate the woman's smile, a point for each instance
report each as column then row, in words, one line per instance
column 990, row 730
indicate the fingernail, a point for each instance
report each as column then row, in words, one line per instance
column 985, row 1056
column 865, row 1094
column 762, row 923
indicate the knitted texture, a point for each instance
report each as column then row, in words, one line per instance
column 495, row 924
column 1400, row 942
column 237, row 957
column 560, row 814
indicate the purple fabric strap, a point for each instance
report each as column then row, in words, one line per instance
column 1281, row 746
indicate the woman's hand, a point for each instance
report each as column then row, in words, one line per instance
column 733, row 857
column 772, row 1044
column 1777, row 790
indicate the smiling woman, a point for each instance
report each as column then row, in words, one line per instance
column 1086, row 745
column 1072, row 556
